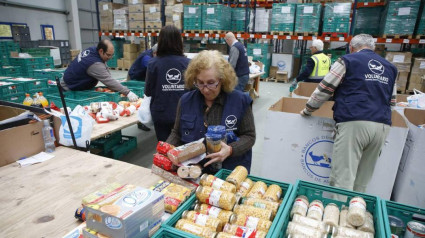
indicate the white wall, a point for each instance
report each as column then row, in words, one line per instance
column 35, row 18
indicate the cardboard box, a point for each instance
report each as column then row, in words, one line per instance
column 153, row 25
column 137, row 25
column 138, row 8
column 106, row 8
column 131, row 48
column 178, row 24
column 291, row 137
column 283, row 62
column 399, row 57
column 152, row 8
column 409, row 185
column 272, row 71
column 136, row 17
column 418, row 65
column 130, row 55
column 19, row 141
column 403, row 67
column 156, row 16
column 106, row 26
column 304, row 90
column 170, row 10
column 282, row 76
column 134, row 2
column 401, row 81
column 74, row 52
column 127, row 63
column 120, row 63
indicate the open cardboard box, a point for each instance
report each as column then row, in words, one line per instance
column 304, row 90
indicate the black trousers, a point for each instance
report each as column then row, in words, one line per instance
column 163, row 130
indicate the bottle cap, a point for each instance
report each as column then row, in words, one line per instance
column 197, row 207
column 204, row 176
column 184, row 215
column 233, row 218
column 46, row 122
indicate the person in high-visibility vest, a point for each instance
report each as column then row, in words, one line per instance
column 317, row 66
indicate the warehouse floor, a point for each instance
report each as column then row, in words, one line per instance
column 270, row 92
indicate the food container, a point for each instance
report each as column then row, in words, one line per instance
column 245, row 187
column 368, row 225
column 242, row 231
column 273, row 193
column 343, row 218
column 203, row 220
column 237, row 176
column 163, row 162
column 213, row 142
column 396, row 225
column 253, row 211
column 356, row 215
column 414, row 229
column 258, row 190
column 331, row 215
column 216, row 212
column 300, row 206
column 298, row 229
column 216, row 183
column 306, row 221
column 202, row 231
column 349, row 232
column 315, row 210
column 256, row 202
column 216, row 197
column 251, row 222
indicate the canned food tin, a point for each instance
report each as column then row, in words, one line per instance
column 414, row 230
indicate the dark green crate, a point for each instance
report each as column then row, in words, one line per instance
column 166, row 232
column 46, row 91
column 127, row 144
column 222, row 174
column 325, row 193
column 11, row 89
column 107, row 142
column 110, row 96
column 74, row 98
column 137, row 87
column 31, row 83
column 404, row 212
column 16, row 98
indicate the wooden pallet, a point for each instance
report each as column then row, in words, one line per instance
column 192, row 31
column 419, row 37
column 153, row 31
column 397, row 36
column 282, row 33
column 305, row 33
column 271, row 79
column 214, row 32
column 334, row 34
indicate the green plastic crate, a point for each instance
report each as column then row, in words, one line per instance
column 11, row 89
column 137, row 87
column 324, row 193
column 166, row 232
column 127, row 144
column 107, row 142
column 46, row 91
column 223, row 173
column 31, row 83
column 404, row 212
column 110, row 96
column 16, row 98
column 74, row 98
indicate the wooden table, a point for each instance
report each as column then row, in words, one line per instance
column 102, row 129
column 256, row 85
column 40, row 200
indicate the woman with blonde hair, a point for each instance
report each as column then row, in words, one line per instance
column 215, row 102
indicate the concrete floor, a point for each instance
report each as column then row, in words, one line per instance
column 270, row 92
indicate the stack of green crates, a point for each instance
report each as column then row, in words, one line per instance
column 404, row 212
column 335, row 54
column 262, row 53
column 5, row 48
column 28, row 65
column 192, row 17
column 336, row 17
column 49, row 74
column 421, row 25
column 308, row 17
column 216, row 17
column 11, row 71
column 238, row 19
column 118, row 46
column 114, row 145
column 283, row 17
column 37, row 52
column 198, row 1
column 137, row 87
column 74, row 98
column 12, row 91
column 399, row 17
column 364, row 17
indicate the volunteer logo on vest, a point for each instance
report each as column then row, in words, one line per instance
column 316, row 158
column 376, row 67
column 231, row 121
column 83, row 54
column 173, row 77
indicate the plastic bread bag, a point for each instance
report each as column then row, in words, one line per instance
column 144, row 111
column 186, row 151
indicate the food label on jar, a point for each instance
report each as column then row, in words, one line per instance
column 260, row 205
column 213, row 211
column 245, row 185
column 251, row 222
column 245, row 232
column 301, row 203
column 192, row 228
column 357, row 204
column 217, row 183
column 201, row 219
column 317, row 208
column 214, row 198
column 278, row 194
column 262, row 191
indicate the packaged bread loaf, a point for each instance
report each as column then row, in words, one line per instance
column 163, row 162
column 163, row 147
column 186, row 151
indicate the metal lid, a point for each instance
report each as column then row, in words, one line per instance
column 418, row 229
column 395, row 221
column 198, row 189
column 184, row 215
column 233, row 218
column 302, row 197
column 197, row 207
column 204, row 176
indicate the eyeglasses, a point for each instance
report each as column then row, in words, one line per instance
column 109, row 55
column 207, row 85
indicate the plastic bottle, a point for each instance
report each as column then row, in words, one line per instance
column 36, row 100
column 48, row 137
column 27, row 100
column 43, row 100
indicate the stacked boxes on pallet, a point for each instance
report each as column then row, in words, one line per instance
column 402, row 60
column 239, row 19
column 192, row 17
column 153, row 17
column 5, row 48
column 421, row 25
column 336, row 17
column 283, row 17
column 262, row 53
column 131, row 51
column 136, row 15
column 308, row 18
column 399, row 17
column 118, row 46
column 106, row 15
column 216, row 17
column 262, row 20
column 417, row 75
column 37, row 52
column 174, row 15
column 121, row 19
column 364, row 17
column 64, row 49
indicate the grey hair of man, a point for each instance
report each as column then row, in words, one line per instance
column 362, row 41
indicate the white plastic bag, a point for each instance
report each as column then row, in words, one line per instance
column 144, row 112
column 417, row 100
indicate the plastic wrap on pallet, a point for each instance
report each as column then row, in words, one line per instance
column 364, row 17
column 308, row 17
column 399, row 17
column 238, row 19
column 192, row 17
column 120, row 22
column 262, row 20
column 336, row 17
column 283, row 17
column 262, row 53
column 421, row 24
column 216, row 17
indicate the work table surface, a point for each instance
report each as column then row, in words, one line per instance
column 40, row 200
column 102, row 129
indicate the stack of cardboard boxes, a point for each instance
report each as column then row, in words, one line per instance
column 136, row 15
column 106, row 15
column 131, row 52
column 403, row 61
column 121, row 19
column 417, row 75
column 152, row 17
column 174, row 14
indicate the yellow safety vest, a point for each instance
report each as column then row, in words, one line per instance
column 321, row 66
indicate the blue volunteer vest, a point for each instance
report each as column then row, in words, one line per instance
column 75, row 76
column 137, row 70
column 365, row 92
column 167, row 71
column 242, row 65
column 192, row 121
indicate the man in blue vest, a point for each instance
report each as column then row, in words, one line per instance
column 89, row 67
column 238, row 58
column 138, row 69
column 363, row 86
column 317, row 66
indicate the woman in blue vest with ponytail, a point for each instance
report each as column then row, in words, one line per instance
column 215, row 102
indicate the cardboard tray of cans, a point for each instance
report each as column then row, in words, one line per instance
column 404, row 212
column 276, row 227
column 325, row 194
